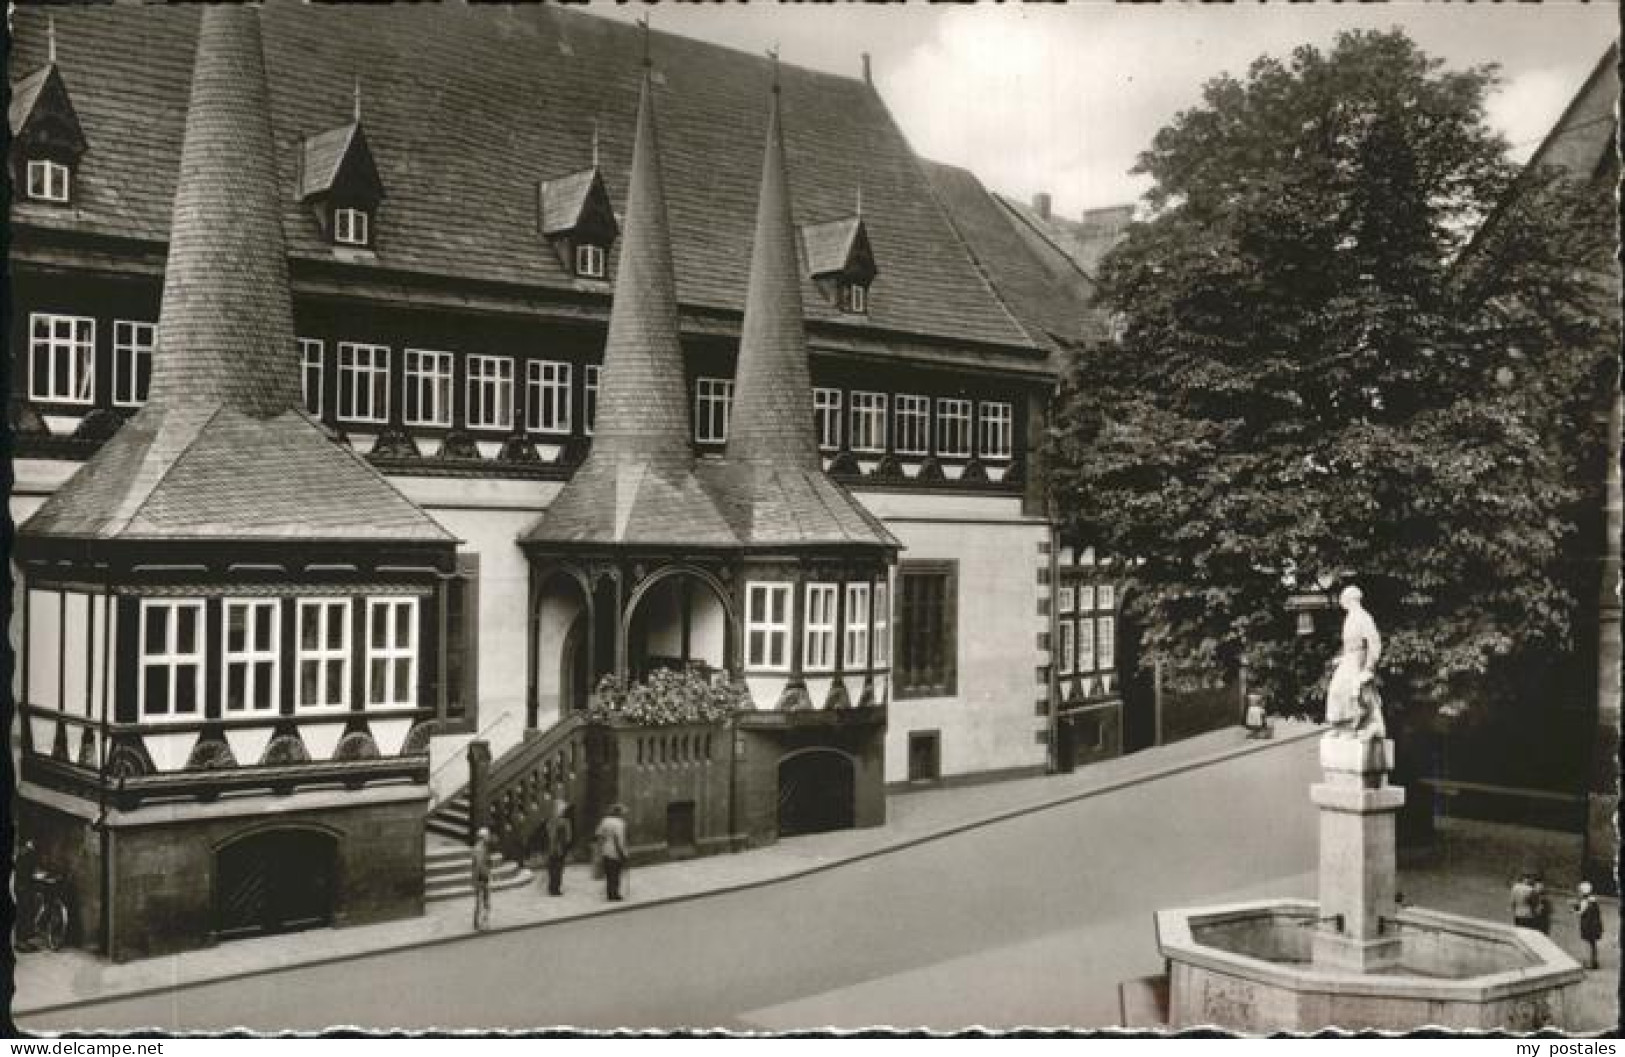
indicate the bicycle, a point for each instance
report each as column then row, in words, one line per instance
column 48, row 925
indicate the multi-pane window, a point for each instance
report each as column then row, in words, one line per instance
column 926, row 629
column 767, row 626
column 818, row 641
column 172, row 648
column 1107, row 637
column 913, row 424
column 713, row 400
column 590, row 262
column 1086, row 599
column 490, row 392
column 868, row 421
column 63, row 355
column 827, row 417
column 1108, row 596
column 324, row 653
column 132, row 362
column 589, row 397
column 427, row 400
column 363, row 382
column 1064, row 600
column 351, row 226
column 48, row 181
column 249, row 656
column 882, row 626
column 953, row 427
column 310, row 374
column 1064, row 650
column 998, row 429
column 547, row 396
column 857, row 627
column 854, row 297
column 1086, row 645
column 392, row 656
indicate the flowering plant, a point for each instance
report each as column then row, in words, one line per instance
column 667, row 698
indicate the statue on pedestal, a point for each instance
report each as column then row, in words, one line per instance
column 1353, row 707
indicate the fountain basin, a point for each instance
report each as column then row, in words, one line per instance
column 1248, row 967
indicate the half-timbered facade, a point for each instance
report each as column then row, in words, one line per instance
column 814, row 480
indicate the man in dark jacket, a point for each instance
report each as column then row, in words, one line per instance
column 560, row 835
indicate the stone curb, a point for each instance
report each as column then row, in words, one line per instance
column 940, row 833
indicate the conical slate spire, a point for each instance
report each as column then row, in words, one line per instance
column 642, row 405
column 226, row 330
column 772, row 417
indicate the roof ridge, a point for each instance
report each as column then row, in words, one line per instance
column 1019, row 212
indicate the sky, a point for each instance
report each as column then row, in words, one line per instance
column 1062, row 98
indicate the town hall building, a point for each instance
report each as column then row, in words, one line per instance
column 388, row 385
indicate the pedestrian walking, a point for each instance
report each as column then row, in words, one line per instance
column 560, row 836
column 610, row 849
column 1589, row 912
column 1542, row 905
column 480, row 866
column 1523, row 900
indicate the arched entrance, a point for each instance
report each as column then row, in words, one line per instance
column 817, row 792
column 1136, row 684
column 562, row 653
column 678, row 618
column 275, row 880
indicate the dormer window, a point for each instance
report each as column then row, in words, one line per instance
column 590, row 262
column 841, row 262
column 351, row 227
column 48, row 181
column 339, row 181
column 579, row 222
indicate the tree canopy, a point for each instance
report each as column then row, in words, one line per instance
column 1324, row 368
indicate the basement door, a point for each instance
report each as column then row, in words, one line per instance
column 276, row 880
column 817, row 793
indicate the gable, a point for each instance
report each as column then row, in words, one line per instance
column 338, row 163
column 42, row 117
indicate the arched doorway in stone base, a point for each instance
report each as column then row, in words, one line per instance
column 275, row 880
column 817, row 792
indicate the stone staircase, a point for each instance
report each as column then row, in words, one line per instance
column 450, row 819
column 446, row 871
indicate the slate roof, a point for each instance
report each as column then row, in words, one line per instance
column 45, row 90
column 565, row 199
column 24, row 94
column 1084, row 241
column 470, row 106
column 325, row 155
column 222, row 449
column 1043, row 289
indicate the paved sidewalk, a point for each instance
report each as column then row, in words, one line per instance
column 51, row 981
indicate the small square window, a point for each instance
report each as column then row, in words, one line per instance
column 351, row 227
column 590, row 261
column 48, row 181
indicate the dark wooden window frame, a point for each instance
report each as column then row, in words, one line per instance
column 907, row 681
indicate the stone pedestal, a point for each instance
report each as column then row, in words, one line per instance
column 1358, row 809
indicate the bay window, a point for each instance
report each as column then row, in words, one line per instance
column 323, row 656
column 249, row 657
column 767, row 627
column 172, row 658
column 818, row 640
column 392, row 657
column 857, row 627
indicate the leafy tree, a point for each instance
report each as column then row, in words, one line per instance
column 1314, row 376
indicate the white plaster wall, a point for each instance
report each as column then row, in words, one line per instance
column 707, row 630
column 990, row 724
column 556, row 613
column 488, row 516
